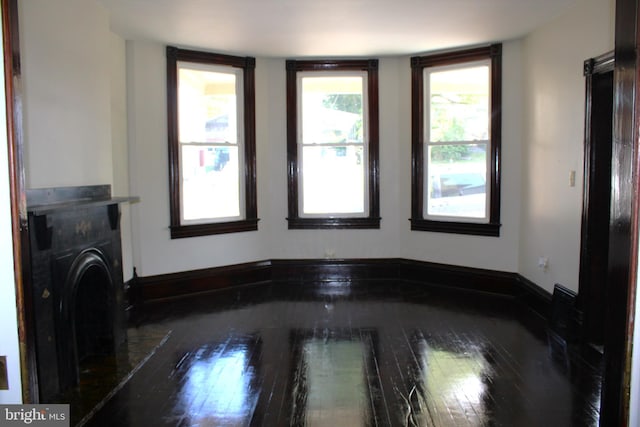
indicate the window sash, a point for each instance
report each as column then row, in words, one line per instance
column 430, row 171
column 304, row 180
column 429, row 199
column 238, row 144
column 471, row 88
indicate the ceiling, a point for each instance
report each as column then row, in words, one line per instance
column 312, row 28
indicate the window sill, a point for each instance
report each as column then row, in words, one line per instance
column 471, row 228
column 333, row 223
column 181, row 231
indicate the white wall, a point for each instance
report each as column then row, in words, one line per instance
column 554, row 92
column 8, row 316
column 65, row 54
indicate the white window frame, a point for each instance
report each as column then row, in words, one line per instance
column 239, row 94
column 365, row 143
column 428, row 143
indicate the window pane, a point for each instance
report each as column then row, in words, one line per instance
column 332, row 110
column 456, row 180
column 333, row 179
column 459, row 104
column 207, row 107
column 210, row 182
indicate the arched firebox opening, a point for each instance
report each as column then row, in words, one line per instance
column 88, row 312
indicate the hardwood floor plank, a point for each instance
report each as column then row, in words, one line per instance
column 344, row 354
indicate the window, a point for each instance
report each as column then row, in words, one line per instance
column 456, row 128
column 332, row 144
column 211, row 126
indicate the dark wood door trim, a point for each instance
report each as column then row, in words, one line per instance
column 13, row 98
column 594, row 242
column 623, row 225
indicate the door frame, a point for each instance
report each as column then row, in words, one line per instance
column 594, row 241
column 19, row 221
column 623, row 223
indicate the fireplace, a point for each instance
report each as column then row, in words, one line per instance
column 75, row 272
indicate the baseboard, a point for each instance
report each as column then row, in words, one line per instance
column 334, row 270
column 143, row 290
column 454, row 276
column 533, row 296
column 167, row 286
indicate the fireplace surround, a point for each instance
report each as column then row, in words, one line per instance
column 75, row 276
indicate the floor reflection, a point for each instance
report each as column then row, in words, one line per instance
column 382, row 354
column 330, row 382
column 454, row 388
column 219, row 385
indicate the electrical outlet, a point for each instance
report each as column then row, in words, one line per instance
column 4, row 374
column 329, row 253
column 543, row 263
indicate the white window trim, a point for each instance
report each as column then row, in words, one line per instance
column 239, row 83
column 365, row 115
column 428, row 143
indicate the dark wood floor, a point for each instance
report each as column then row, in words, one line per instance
column 377, row 353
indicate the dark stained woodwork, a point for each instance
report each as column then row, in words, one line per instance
column 623, row 226
column 372, row 220
column 20, row 229
column 248, row 65
column 169, row 286
column 534, row 298
column 528, row 295
column 329, row 270
column 418, row 64
column 594, row 246
column 382, row 353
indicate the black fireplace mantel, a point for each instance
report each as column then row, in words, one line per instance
column 74, row 271
column 46, row 201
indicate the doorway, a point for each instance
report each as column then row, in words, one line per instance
column 594, row 250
